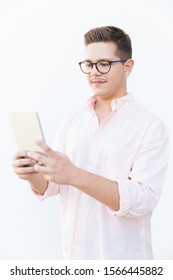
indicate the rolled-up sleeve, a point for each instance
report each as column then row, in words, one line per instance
column 52, row 189
column 140, row 193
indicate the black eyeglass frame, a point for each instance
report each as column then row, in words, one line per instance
column 92, row 64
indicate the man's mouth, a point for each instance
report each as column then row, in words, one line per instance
column 97, row 82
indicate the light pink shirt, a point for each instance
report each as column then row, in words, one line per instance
column 130, row 147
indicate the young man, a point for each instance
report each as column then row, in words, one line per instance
column 109, row 161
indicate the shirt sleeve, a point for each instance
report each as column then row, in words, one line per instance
column 53, row 189
column 139, row 194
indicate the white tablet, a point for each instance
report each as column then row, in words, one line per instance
column 27, row 129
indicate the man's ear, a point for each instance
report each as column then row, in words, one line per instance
column 128, row 66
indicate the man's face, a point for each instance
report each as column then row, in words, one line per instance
column 112, row 84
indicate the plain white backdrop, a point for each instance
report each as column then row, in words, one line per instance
column 41, row 43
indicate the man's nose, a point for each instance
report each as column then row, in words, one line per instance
column 94, row 70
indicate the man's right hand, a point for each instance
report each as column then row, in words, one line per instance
column 23, row 166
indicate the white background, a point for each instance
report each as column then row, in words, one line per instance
column 41, row 43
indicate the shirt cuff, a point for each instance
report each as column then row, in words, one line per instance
column 51, row 190
column 125, row 200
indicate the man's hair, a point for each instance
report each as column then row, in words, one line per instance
column 111, row 34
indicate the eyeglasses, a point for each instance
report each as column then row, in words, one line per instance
column 102, row 66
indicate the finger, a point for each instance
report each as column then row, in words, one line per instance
column 25, row 170
column 41, row 168
column 23, row 162
column 20, row 154
column 47, row 150
column 40, row 158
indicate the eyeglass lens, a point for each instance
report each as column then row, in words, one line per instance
column 102, row 66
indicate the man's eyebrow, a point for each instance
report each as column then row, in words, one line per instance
column 107, row 59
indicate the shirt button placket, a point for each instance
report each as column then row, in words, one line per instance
column 80, row 227
column 91, row 154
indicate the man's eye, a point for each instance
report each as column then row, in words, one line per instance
column 104, row 64
column 87, row 64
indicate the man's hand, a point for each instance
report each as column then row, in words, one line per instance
column 54, row 166
column 57, row 168
column 23, row 166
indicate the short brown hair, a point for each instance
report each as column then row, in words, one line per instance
column 111, row 34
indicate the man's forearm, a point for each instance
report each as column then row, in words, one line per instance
column 38, row 183
column 103, row 189
column 58, row 168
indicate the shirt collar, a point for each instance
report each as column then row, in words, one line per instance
column 116, row 104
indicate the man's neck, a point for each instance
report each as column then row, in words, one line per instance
column 103, row 107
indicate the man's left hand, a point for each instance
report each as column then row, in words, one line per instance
column 55, row 167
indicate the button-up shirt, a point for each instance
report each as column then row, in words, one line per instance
column 129, row 147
